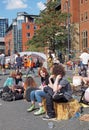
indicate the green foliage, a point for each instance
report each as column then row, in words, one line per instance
column 52, row 32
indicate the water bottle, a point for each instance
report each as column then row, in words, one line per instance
column 50, row 125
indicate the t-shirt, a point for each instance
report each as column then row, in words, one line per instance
column 45, row 80
column 9, row 82
column 86, row 95
column 84, row 57
column 66, row 88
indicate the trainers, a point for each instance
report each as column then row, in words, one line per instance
column 31, row 108
column 48, row 118
column 39, row 112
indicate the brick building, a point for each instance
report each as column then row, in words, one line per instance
column 79, row 10
column 84, row 24
column 23, row 27
column 72, row 8
column 19, row 32
column 9, row 41
column 27, row 33
column 3, row 28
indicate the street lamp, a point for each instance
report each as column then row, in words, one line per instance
column 68, row 6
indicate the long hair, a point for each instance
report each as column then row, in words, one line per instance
column 42, row 69
column 85, row 50
column 58, row 69
column 13, row 74
column 30, row 82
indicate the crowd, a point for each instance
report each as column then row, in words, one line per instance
column 54, row 85
column 82, row 76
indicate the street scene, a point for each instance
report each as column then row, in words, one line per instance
column 44, row 65
column 14, row 115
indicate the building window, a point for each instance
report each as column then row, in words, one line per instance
column 84, row 39
column 86, row 15
column 81, row 17
column 35, row 27
column 81, row 1
column 65, row 6
column 28, row 26
column 28, row 35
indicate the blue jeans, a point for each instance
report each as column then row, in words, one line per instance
column 37, row 94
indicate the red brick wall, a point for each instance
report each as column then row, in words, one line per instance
column 24, row 34
column 84, row 24
column 73, row 9
column 9, row 43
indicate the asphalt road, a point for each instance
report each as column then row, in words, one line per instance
column 13, row 116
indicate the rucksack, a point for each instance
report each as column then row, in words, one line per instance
column 10, row 96
column 6, row 96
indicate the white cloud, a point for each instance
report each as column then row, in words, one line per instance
column 41, row 6
column 15, row 4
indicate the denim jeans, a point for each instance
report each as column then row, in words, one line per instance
column 37, row 94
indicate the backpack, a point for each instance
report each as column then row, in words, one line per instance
column 8, row 96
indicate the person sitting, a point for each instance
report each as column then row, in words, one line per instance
column 29, row 85
column 61, row 86
column 86, row 96
column 10, row 82
column 11, row 88
column 39, row 94
column 19, row 84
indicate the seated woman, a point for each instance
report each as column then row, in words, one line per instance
column 79, row 80
column 61, row 86
column 39, row 94
column 86, row 95
column 10, row 82
column 29, row 85
column 19, row 84
column 10, row 91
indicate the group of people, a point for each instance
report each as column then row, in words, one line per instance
column 83, row 74
column 54, row 87
column 25, row 61
column 50, row 86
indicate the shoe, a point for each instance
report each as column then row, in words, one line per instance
column 24, row 76
column 31, row 108
column 84, row 105
column 48, row 118
column 39, row 112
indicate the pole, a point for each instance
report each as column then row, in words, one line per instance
column 68, row 28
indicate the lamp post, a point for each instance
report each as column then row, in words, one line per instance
column 9, row 49
column 68, row 6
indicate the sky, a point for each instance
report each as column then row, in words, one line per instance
column 9, row 8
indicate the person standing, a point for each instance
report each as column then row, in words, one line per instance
column 84, row 57
column 19, row 62
column 2, row 59
column 30, row 65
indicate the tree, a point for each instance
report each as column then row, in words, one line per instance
column 52, row 30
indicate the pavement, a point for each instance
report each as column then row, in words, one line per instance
column 13, row 116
